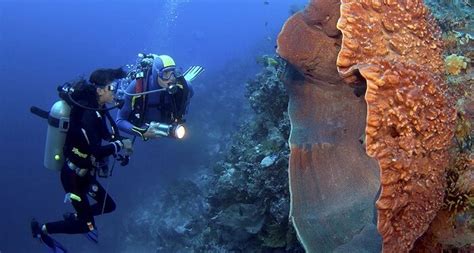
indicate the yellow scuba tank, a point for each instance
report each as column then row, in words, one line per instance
column 58, row 124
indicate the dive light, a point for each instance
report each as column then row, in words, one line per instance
column 168, row 130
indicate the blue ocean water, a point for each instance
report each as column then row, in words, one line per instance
column 46, row 43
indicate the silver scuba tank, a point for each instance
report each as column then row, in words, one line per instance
column 58, row 124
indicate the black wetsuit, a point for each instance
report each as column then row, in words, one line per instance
column 78, row 175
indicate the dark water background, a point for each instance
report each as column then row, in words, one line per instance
column 46, row 43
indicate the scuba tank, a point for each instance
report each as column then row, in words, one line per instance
column 58, row 124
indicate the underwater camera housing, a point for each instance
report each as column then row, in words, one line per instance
column 173, row 130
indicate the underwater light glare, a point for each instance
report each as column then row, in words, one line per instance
column 179, row 131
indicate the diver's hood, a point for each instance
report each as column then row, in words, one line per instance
column 160, row 62
column 157, row 65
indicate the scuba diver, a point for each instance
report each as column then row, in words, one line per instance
column 157, row 98
column 85, row 156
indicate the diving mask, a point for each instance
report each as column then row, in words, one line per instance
column 167, row 73
column 113, row 86
column 170, row 72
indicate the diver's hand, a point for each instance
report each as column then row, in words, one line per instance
column 157, row 129
column 192, row 73
column 127, row 146
column 150, row 133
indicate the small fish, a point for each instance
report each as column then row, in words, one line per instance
column 266, row 23
column 266, row 2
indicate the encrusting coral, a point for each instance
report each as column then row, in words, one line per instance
column 396, row 47
column 454, row 64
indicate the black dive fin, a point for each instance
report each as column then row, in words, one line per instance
column 39, row 112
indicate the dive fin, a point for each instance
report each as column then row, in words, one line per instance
column 192, row 73
column 53, row 245
column 93, row 236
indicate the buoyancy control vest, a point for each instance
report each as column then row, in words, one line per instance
column 172, row 110
column 58, row 118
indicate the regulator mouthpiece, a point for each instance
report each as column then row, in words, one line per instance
column 172, row 89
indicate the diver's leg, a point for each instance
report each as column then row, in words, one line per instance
column 76, row 187
column 83, row 223
column 105, row 203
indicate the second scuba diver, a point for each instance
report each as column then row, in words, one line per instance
column 85, row 155
column 157, row 99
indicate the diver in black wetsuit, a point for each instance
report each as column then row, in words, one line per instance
column 84, row 150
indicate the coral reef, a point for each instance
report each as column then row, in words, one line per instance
column 453, row 229
column 460, row 190
column 333, row 183
column 166, row 221
column 250, row 199
column 394, row 49
column 397, row 48
column 454, row 64
column 241, row 203
column 452, row 15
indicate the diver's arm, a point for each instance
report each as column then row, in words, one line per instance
column 92, row 125
column 191, row 92
column 124, row 114
column 190, row 95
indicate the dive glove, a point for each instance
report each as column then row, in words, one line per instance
column 155, row 127
column 192, row 73
column 127, row 146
